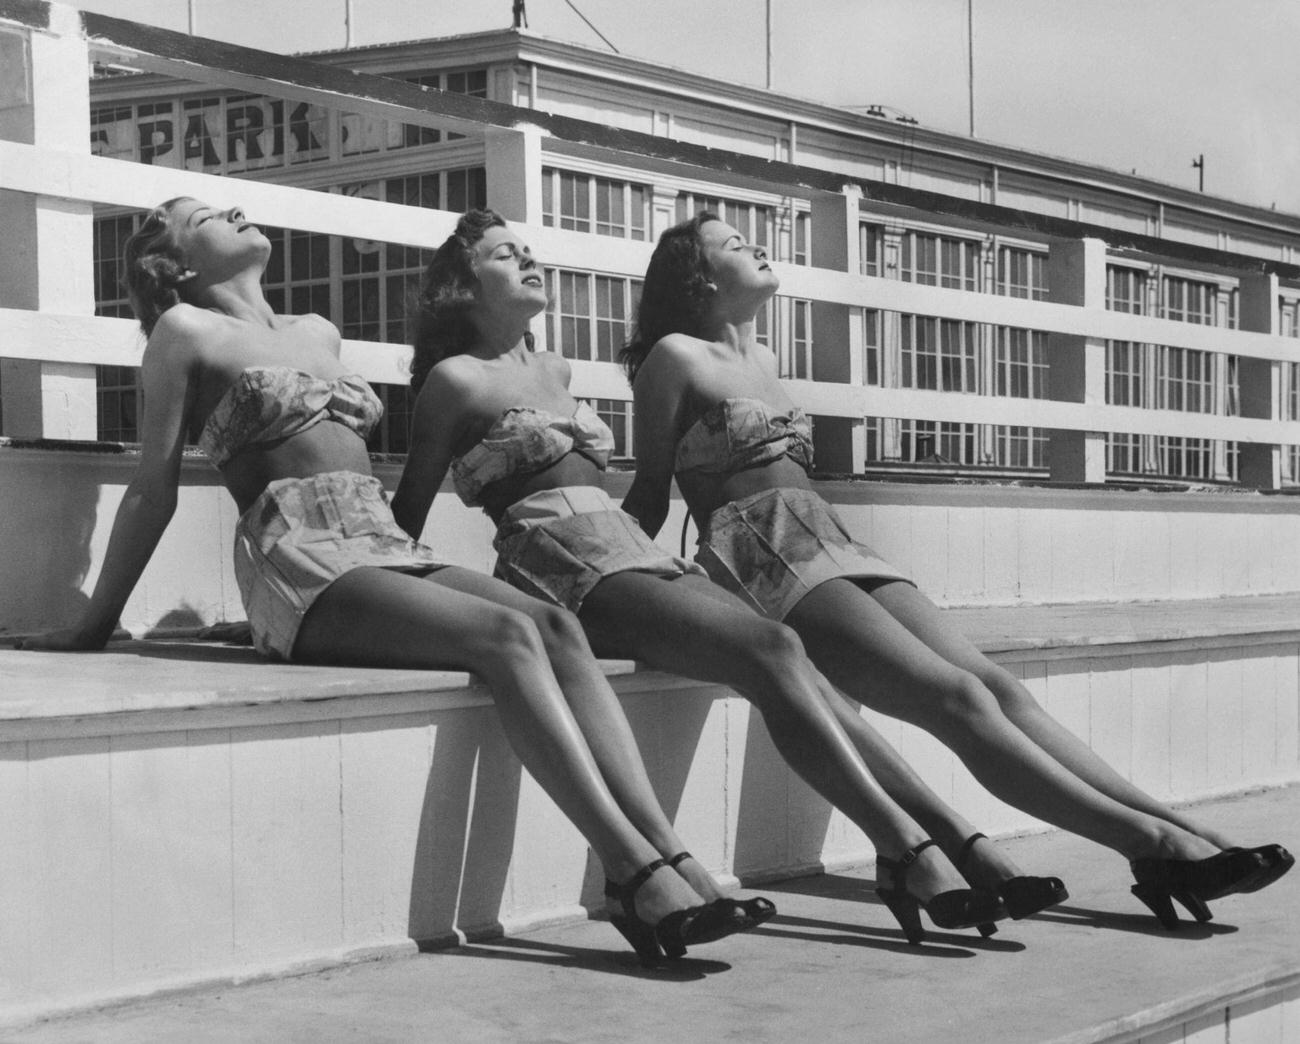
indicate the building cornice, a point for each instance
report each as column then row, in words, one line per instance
column 523, row 47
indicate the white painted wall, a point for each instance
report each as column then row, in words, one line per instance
column 963, row 545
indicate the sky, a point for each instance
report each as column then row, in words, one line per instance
column 1133, row 85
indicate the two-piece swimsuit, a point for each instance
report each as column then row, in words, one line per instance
column 771, row 548
column 557, row 544
column 302, row 534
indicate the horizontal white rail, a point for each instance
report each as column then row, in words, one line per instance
column 97, row 179
column 42, row 337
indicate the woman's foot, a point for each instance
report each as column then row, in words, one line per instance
column 752, row 912
column 661, row 916
column 923, row 877
column 983, row 863
column 1165, row 841
column 693, row 873
column 663, row 893
column 928, row 875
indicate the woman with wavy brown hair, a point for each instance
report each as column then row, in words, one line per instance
column 501, row 420
column 711, row 413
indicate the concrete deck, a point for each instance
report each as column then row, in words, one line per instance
column 831, row 967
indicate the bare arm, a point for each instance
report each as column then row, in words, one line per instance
column 149, row 502
column 659, row 395
column 433, row 442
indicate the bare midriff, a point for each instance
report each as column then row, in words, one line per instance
column 706, row 491
column 573, row 469
column 321, row 448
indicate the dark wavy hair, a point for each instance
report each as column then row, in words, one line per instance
column 440, row 326
column 675, row 294
column 154, row 270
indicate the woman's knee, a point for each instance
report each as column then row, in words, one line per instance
column 775, row 649
column 964, row 697
column 560, row 630
column 510, row 637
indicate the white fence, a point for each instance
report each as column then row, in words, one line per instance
column 51, row 184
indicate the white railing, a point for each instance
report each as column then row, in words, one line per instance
column 59, row 177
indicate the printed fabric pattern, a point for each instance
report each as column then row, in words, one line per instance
column 300, row 536
column 773, row 547
column 557, row 544
column 736, row 434
column 526, row 440
column 270, row 403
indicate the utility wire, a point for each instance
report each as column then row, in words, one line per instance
column 592, row 27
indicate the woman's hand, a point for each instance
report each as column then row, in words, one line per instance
column 69, row 639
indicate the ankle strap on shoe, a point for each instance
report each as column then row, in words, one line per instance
column 963, row 853
column 628, row 889
column 907, row 858
column 678, row 859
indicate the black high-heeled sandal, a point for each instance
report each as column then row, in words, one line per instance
column 1193, row 882
column 1022, row 895
column 753, row 911
column 674, row 932
column 1275, row 861
column 956, row 908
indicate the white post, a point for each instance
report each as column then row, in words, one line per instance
column 513, row 162
column 45, row 101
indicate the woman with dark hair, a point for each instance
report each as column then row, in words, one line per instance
column 711, row 412
column 501, row 419
column 325, row 573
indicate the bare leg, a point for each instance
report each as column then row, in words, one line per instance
column 874, row 659
column 988, row 865
column 597, row 711
column 376, row 617
column 683, row 626
column 919, row 615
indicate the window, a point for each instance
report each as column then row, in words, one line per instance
column 1189, row 300
column 1123, row 373
column 1016, row 446
column 1022, row 363
column 950, row 443
column 1185, row 458
column 110, row 236
column 794, row 352
column 871, row 347
column 617, row 413
column 297, row 279
column 1126, row 290
column 585, row 203
column 939, row 261
column 117, row 401
column 1022, row 273
column 589, row 314
column 1183, row 380
column 870, row 250
column 938, row 354
column 1123, row 453
column 472, row 82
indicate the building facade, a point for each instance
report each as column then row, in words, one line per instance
column 364, row 286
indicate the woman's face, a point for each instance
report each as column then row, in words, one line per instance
column 508, row 277
column 216, row 243
column 736, row 268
